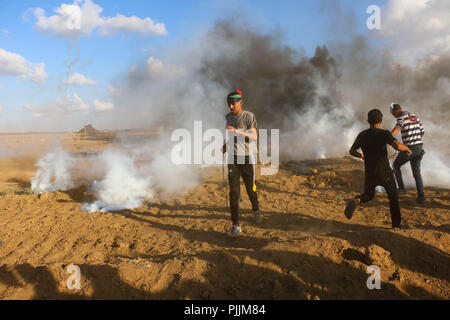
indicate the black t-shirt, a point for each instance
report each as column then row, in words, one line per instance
column 373, row 144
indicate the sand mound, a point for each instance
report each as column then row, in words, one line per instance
column 90, row 133
column 89, row 130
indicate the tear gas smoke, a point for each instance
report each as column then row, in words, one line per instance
column 54, row 172
column 319, row 104
column 122, row 187
column 118, row 182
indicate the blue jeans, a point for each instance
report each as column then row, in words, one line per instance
column 415, row 159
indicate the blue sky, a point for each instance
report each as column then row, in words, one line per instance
column 304, row 24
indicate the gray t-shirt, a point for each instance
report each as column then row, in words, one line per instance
column 243, row 121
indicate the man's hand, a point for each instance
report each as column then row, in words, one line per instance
column 400, row 147
column 252, row 134
column 396, row 130
column 356, row 154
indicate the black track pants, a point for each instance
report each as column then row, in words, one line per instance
column 247, row 171
column 387, row 181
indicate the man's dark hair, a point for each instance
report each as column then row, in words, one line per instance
column 396, row 107
column 374, row 116
column 234, row 96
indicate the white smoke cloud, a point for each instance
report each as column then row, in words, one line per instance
column 120, row 178
column 321, row 134
column 13, row 64
column 416, row 28
column 169, row 178
column 436, row 172
column 157, row 69
column 123, row 186
column 154, row 66
column 83, row 17
column 54, row 172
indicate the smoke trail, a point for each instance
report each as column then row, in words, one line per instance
column 71, row 64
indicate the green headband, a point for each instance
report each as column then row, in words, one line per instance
column 235, row 96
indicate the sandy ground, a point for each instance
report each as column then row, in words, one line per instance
column 178, row 248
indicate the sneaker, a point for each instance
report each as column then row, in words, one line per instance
column 235, row 231
column 350, row 208
column 258, row 217
column 400, row 190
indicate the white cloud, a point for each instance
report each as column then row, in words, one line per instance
column 76, row 103
column 70, row 20
column 13, row 64
column 1, row 108
column 417, row 28
column 73, row 20
column 78, row 79
column 70, row 103
column 133, row 24
column 103, row 106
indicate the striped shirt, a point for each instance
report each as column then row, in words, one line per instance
column 412, row 128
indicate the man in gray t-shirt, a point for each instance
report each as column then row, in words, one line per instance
column 244, row 121
column 242, row 136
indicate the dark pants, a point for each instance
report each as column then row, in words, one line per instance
column 235, row 171
column 387, row 181
column 415, row 158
